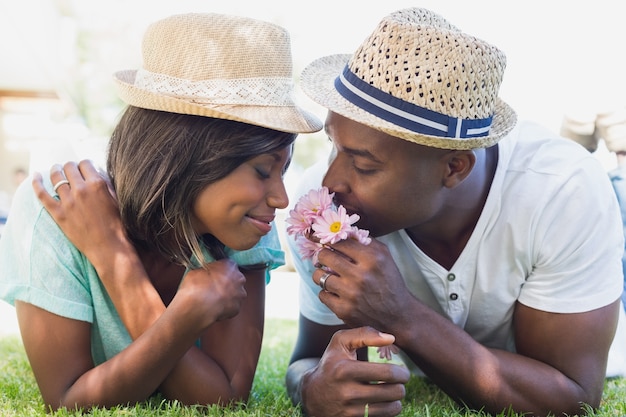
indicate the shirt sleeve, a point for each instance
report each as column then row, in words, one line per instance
column 38, row 264
column 578, row 245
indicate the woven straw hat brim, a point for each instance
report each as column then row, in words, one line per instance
column 317, row 81
column 290, row 119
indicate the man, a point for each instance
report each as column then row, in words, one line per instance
column 496, row 265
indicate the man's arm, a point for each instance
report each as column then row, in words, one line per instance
column 560, row 361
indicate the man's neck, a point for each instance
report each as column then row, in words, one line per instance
column 445, row 239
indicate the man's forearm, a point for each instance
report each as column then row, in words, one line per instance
column 293, row 379
column 494, row 379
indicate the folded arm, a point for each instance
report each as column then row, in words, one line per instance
column 219, row 305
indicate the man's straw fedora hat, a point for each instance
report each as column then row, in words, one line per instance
column 419, row 78
column 220, row 66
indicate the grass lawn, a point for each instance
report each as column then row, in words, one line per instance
column 19, row 395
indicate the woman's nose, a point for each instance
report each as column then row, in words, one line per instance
column 278, row 197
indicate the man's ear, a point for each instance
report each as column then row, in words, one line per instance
column 459, row 164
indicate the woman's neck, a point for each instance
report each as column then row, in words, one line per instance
column 164, row 274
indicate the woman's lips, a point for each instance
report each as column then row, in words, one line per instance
column 263, row 223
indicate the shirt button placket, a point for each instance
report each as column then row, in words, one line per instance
column 453, row 296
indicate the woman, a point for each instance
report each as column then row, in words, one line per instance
column 159, row 285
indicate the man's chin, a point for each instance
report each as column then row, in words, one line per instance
column 365, row 226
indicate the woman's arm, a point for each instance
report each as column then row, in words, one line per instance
column 163, row 352
column 59, row 351
column 163, row 357
column 233, row 345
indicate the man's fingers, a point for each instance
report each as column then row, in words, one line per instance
column 386, row 373
column 353, row 339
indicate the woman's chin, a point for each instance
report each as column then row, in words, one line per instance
column 244, row 245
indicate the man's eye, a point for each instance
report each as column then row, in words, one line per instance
column 364, row 171
column 359, row 167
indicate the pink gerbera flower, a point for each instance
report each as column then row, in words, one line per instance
column 363, row 236
column 387, row 352
column 299, row 220
column 307, row 248
column 315, row 216
column 332, row 226
column 316, row 202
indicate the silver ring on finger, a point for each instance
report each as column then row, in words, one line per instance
column 60, row 183
column 323, row 280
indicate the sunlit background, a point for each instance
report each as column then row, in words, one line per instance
column 57, row 57
column 57, row 100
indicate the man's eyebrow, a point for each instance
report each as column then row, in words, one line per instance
column 362, row 153
column 355, row 152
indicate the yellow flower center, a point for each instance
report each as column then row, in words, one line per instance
column 335, row 227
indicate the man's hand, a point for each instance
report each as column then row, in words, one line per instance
column 365, row 287
column 341, row 385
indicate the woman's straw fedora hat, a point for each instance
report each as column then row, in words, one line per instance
column 220, row 66
column 419, row 78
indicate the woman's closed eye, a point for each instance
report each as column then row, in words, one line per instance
column 269, row 165
column 263, row 173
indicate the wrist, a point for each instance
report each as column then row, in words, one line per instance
column 302, row 384
column 119, row 268
column 297, row 379
column 111, row 257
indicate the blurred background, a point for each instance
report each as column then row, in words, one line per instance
column 57, row 102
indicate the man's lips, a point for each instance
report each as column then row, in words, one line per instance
column 349, row 209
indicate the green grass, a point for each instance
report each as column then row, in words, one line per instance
column 19, row 395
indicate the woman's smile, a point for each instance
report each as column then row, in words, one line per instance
column 263, row 223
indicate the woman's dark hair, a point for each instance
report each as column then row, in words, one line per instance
column 159, row 162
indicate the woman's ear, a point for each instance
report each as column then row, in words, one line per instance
column 459, row 164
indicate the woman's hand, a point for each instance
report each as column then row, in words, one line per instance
column 215, row 292
column 86, row 209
